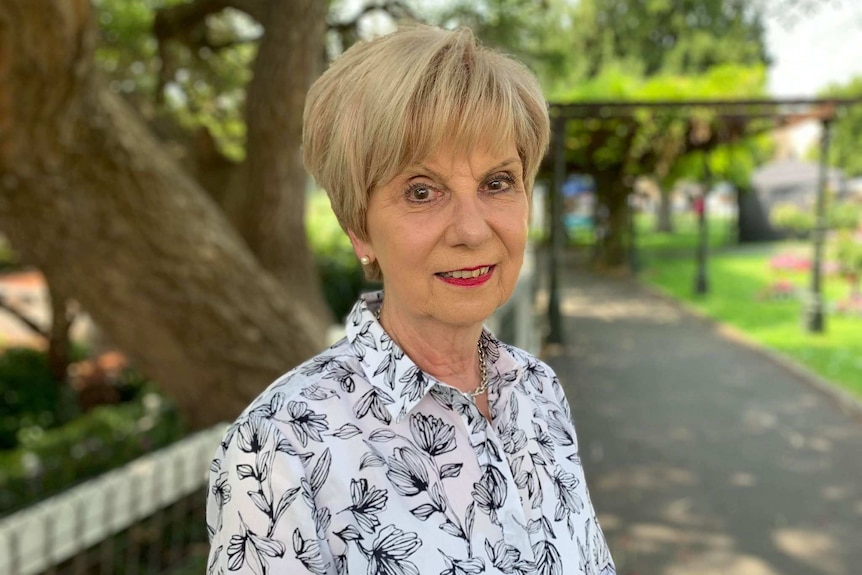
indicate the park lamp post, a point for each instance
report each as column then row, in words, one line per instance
column 814, row 319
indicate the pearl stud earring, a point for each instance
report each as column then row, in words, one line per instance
column 365, row 260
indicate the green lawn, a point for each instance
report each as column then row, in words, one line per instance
column 740, row 278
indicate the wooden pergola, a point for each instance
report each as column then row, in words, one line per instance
column 774, row 113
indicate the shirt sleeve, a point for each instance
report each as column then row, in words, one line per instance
column 261, row 505
column 557, row 393
column 596, row 552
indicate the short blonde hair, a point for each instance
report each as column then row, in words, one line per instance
column 389, row 103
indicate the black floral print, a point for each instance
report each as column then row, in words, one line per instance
column 489, row 492
column 431, row 434
column 358, row 462
column 368, row 502
column 407, row 472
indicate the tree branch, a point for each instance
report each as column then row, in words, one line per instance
column 395, row 8
column 348, row 31
column 254, row 8
column 184, row 23
column 184, row 19
column 17, row 314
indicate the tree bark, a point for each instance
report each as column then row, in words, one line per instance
column 59, row 342
column 271, row 206
column 613, row 192
column 88, row 194
column 664, row 221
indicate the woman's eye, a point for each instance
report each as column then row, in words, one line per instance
column 500, row 183
column 419, row 193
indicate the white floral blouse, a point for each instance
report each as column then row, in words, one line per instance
column 358, row 462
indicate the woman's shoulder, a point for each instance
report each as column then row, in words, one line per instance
column 523, row 359
column 306, row 393
column 316, row 379
column 536, row 378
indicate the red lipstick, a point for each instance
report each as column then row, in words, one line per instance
column 469, row 282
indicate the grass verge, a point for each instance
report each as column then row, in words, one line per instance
column 767, row 304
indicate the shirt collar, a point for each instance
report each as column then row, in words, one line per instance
column 396, row 379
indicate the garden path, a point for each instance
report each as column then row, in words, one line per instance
column 703, row 456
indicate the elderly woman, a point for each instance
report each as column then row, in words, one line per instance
column 419, row 443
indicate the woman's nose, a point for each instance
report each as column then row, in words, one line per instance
column 469, row 224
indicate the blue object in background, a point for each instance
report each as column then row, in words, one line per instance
column 577, row 184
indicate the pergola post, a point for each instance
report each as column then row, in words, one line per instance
column 555, row 320
column 814, row 319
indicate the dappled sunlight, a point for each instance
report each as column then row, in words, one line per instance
column 583, row 305
column 836, row 492
column 758, row 420
column 814, row 548
column 682, row 512
column 682, row 541
column 681, row 434
column 652, row 477
column 743, row 479
column 695, row 550
column 721, row 562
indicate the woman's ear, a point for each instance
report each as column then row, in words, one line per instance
column 361, row 248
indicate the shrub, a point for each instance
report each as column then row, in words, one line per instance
column 340, row 273
column 791, row 219
column 49, row 461
column 341, row 283
column 8, row 258
column 30, row 395
column 849, row 255
column 844, row 216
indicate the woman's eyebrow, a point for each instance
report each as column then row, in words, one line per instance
column 501, row 165
column 419, row 169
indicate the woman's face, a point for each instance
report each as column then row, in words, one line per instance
column 449, row 235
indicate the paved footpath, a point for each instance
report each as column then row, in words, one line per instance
column 702, row 456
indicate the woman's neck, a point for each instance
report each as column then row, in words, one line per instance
column 449, row 353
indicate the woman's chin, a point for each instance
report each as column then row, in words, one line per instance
column 468, row 311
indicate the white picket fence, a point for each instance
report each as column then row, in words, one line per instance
column 56, row 529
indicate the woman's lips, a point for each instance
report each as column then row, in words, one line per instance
column 468, row 277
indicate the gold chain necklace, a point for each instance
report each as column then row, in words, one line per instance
column 483, row 369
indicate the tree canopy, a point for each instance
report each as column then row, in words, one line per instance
column 844, row 152
column 682, row 37
column 567, row 43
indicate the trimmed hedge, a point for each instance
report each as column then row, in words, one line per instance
column 29, row 395
column 50, row 461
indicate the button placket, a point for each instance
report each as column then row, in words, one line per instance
column 511, row 516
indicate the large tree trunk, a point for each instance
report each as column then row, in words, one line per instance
column 272, row 201
column 664, row 221
column 89, row 195
column 59, row 342
column 613, row 193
